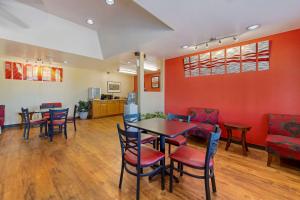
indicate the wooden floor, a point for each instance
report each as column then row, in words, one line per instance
column 87, row 166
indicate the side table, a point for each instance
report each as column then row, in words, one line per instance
column 240, row 127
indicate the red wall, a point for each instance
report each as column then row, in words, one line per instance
column 147, row 83
column 243, row 97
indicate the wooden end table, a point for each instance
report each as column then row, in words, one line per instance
column 240, row 127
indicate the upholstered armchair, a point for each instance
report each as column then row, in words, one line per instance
column 283, row 138
column 205, row 118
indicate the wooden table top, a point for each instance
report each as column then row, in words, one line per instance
column 237, row 126
column 163, row 127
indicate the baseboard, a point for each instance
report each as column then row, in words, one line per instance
column 11, row 126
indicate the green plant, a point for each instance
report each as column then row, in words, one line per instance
column 83, row 106
column 154, row 115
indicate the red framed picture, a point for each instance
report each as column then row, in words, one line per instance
column 57, row 74
column 17, row 71
column 8, row 70
column 36, row 73
column 27, row 72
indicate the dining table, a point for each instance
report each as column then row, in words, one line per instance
column 164, row 129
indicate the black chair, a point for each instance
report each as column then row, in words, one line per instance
column 181, row 139
column 29, row 123
column 58, row 118
column 145, row 137
column 72, row 119
column 197, row 159
column 139, row 156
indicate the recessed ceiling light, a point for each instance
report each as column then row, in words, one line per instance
column 90, row 21
column 66, row 62
column 128, row 62
column 184, row 46
column 110, row 2
column 253, row 27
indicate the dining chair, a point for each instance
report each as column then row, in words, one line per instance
column 72, row 119
column 198, row 159
column 145, row 137
column 58, row 118
column 139, row 156
column 29, row 123
column 181, row 139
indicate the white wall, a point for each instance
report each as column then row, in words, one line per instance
column 42, row 29
column 14, row 94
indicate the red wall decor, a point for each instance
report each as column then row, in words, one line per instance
column 245, row 58
column 17, row 71
column 8, row 70
column 242, row 97
column 27, row 71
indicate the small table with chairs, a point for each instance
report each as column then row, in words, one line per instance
column 184, row 155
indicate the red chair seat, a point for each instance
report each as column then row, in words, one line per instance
column 284, row 146
column 37, row 122
column 190, row 156
column 177, row 141
column 148, row 156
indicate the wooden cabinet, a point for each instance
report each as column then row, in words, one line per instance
column 103, row 108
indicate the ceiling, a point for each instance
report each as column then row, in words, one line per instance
column 156, row 27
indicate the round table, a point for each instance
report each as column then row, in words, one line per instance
column 240, row 127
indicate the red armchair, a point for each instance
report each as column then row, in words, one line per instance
column 2, row 116
column 283, row 136
column 205, row 118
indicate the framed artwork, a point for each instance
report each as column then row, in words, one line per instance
column 8, row 70
column 17, row 71
column 113, row 87
column 155, row 82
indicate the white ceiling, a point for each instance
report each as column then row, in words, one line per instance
column 157, row 27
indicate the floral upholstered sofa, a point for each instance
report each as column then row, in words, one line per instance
column 283, row 136
column 205, row 118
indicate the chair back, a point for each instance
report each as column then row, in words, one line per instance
column 183, row 118
column 61, row 114
column 130, row 118
column 204, row 115
column 130, row 141
column 50, row 105
column 284, row 124
column 212, row 145
column 25, row 114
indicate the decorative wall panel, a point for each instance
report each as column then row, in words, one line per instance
column 218, row 62
column 249, row 57
column 246, row 58
column 263, row 53
column 233, row 60
column 205, row 65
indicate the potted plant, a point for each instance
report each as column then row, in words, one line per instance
column 83, row 109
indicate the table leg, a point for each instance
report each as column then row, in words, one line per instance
column 162, row 149
column 244, row 144
column 229, row 138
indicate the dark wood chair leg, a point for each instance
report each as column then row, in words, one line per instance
column 75, row 125
column 157, row 144
column 162, row 171
column 269, row 159
column 207, row 190
column 27, row 133
column 24, row 133
column 213, row 181
column 153, row 145
column 169, row 151
column 244, row 143
column 121, row 175
column 171, row 176
column 65, row 131
column 138, row 184
column 181, row 168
